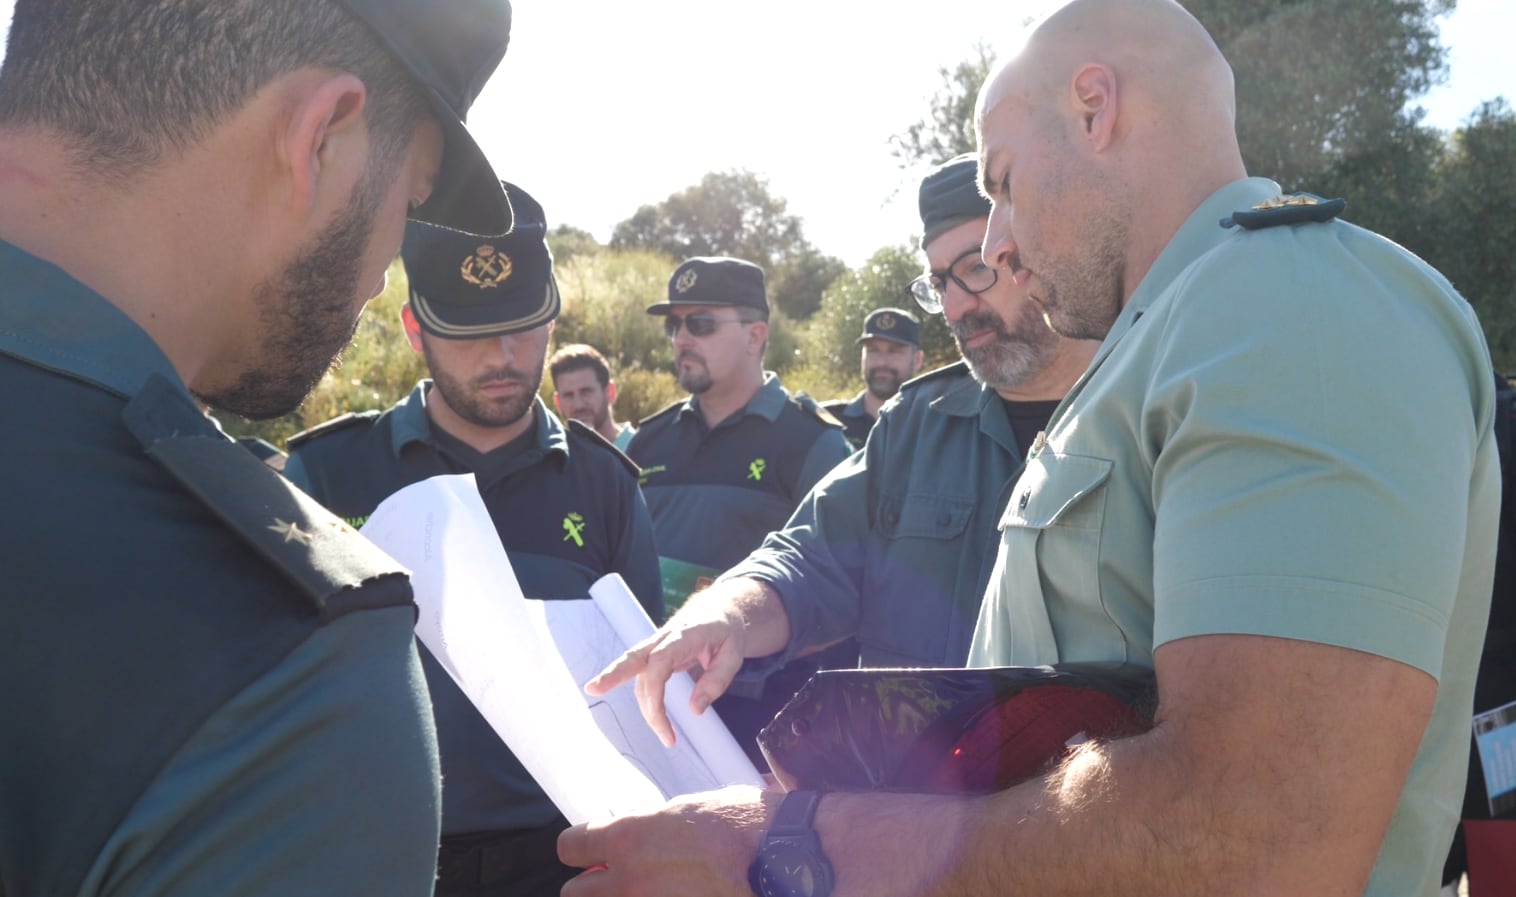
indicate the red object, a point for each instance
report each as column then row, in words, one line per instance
column 1021, row 736
column 1492, row 856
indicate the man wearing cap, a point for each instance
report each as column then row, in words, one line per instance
column 728, row 465
column 895, row 546
column 566, row 506
column 1248, row 492
column 584, row 391
column 215, row 685
column 890, row 355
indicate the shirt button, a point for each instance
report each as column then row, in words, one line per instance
column 1025, row 498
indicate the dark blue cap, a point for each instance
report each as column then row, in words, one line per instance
column 894, row 324
column 950, row 196
column 715, row 280
column 450, row 49
column 469, row 287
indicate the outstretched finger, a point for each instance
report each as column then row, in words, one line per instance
column 650, row 684
column 623, row 668
column 717, row 678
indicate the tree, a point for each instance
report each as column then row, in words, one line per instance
column 828, row 360
column 734, row 214
column 1473, row 217
column 566, row 241
column 1322, row 81
column 948, row 129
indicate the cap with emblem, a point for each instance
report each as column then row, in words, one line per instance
column 450, row 50
column 950, row 196
column 715, row 281
column 894, row 324
column 469, row 287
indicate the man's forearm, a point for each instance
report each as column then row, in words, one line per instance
column 1279, row 780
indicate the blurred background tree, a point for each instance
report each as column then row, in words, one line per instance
column 734, row 214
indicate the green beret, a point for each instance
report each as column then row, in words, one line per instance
column 950, row 196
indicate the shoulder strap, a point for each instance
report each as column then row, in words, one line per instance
column 318, row 552
column 592, row 436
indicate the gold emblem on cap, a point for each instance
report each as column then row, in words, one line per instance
column 885, row 322
column 686, row 281
column 1289, row 199
column 487, row 268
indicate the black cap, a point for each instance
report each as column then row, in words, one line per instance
column 894, row 324
column 469, row 287
column 450, row 49
column 950, row 196
column 715, row 281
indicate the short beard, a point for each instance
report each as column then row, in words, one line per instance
column 306, row 314
column 883, row 383
column 460, row 396
column 1013, row 357
column 695, row 381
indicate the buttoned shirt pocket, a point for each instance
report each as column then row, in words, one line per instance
column 909, row 608
column 1047, row 569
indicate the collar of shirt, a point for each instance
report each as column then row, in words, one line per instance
column 410, row 424
column 51, row 320
column 970, row 398
column 768, row 402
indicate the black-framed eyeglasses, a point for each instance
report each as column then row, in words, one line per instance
column 699, row 323
column 968, row 270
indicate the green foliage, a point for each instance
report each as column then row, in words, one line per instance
column 948, row 129
column 566, row 241
column 828, row 362
column 1323, row 81
column 1474, row 217
column 734, row 214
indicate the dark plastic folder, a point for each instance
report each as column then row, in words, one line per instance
column 949, row 730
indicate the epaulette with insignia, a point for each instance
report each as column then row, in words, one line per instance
column 1287, row 208
column 955, row 370
column 813, row 408
column 341, row 422
column 584, row 431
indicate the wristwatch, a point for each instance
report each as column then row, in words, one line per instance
column 790, row 861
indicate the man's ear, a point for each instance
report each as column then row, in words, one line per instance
column 758, row 334
column 610, row 392
column 557, row 405
column 324, row 141
column 411, row 325
column 1095, row 101
column 920, row 360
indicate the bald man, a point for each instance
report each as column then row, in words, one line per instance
column 1229, row 495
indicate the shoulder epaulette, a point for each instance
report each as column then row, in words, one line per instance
column 593, row 437
column 813, row 408
column 334, row 425
column 1286, row 208
column 666, row 409
column 955, row 370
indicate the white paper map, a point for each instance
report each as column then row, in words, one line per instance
column 523, row 663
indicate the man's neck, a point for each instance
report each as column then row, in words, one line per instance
column 872, row 404
column 609, row 428
column 720, row 402
column 481, row 439
column 1054, row 381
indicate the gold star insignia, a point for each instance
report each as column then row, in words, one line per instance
column 290, row 531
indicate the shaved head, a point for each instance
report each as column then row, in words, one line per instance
column 1096, row 143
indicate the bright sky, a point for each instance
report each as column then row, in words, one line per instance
column 602, row 106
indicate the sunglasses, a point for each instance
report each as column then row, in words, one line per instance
column 699, row 323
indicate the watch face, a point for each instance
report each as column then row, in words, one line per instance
column 787, row 870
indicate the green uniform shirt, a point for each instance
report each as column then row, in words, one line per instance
column 1252, row 451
